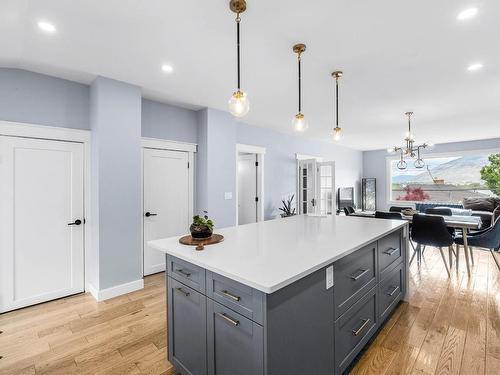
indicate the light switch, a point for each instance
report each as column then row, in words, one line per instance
column 329, row 277
column 228, row 195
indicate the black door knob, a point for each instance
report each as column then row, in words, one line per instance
column 77, row 222
column 148, row 214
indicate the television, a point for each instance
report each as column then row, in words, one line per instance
column 345, row 198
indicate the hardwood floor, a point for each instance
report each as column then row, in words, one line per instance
column 450, row 326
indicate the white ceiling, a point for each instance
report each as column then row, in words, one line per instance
column 397, row 55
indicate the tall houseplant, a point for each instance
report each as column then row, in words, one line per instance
column 286, row 207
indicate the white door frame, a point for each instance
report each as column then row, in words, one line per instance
column 24, row 130
column 164, row 144
column 260, row 152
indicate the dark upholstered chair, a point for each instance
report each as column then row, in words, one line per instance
column 388, row 215
column 398, row 208
column 487, row 238
column 432, row 231
column 348, row 210
column 439, row 211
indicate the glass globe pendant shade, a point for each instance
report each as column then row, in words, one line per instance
column 299, row 122
column 401, row 164
column 337, row 133
column 419, row 163
column 239, row 105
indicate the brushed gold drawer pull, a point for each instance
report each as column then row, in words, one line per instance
column 363, row 272
column 228, row 319
column 230, row 295
column 183, row 292
column 391, row 293
column 356, row 332
column 182, row 272
column 391, row 251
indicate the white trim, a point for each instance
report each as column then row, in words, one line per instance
column 260, row 152
column 115, row 291
column 429, row 155
column 307, row 157
column 163, row 144
column 19, row 129
column 251, row 149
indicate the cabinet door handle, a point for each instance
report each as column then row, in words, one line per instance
column 357, row 277
column 230, row 295
column 356, row 332
column 187, row 274
column 183, row 291
column 228, row 319
column 391, row 293
column 391, row 251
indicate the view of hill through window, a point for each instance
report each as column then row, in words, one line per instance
column 443, row 179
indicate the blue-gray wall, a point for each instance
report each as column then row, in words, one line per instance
column 116, row 181
column 160, row 120
column 40, row 99
column 374, row 163
column 218, row 135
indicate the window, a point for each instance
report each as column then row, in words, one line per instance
column 444, row 178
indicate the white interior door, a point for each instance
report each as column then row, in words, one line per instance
column 41, row 192
column 307, row 186
column 247, row 188
column 326, row 188
column 166, row 201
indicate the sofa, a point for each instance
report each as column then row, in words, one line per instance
column 488, row 209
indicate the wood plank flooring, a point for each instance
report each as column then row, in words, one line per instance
column 450, row 326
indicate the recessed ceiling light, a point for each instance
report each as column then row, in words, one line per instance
column 46, row 26
column 167, row 68
column 474, row 67
column 466, row 14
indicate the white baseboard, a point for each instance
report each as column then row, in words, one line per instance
column 115, row 291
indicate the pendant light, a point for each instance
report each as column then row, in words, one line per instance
column 337, row 131
column 239, row 104
column 299, row 121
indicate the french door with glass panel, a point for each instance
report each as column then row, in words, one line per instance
column 166, row 197
column 316, row 187
column 41, row 220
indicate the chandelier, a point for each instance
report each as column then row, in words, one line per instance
column 409, row 149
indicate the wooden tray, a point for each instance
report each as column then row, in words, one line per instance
column 200, row 243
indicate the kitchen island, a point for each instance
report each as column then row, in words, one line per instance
column 297, row 295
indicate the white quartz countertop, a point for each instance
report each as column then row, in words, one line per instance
column 272, row 254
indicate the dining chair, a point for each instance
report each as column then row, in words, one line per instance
column 348, row 210
column 443, row 211
column 388, row 215
column 487, row 238
column 398, row 208
column 431, row 231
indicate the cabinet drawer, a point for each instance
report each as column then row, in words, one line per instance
column 235, row 343
column 238, row 297
column 354, row 276
column 187, row 273
column 391, row 291
column 187, row 329
column 354, row 329
column 389, row 252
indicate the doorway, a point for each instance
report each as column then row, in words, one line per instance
column 316, row 186
column 249, row 184
column 41, row 220
column 167, row 200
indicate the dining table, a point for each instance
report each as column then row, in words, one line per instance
column 460, row 222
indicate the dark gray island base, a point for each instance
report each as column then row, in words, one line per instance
column 218, row 326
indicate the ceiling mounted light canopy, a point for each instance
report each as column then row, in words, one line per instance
column 299, row 121
column 239, row 104
column 410, row 150
column 337, row 131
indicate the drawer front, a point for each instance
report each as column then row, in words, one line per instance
column 390, row 252
column 235, row 343
column 187, row 273
column 354, row 276
column 187, row 329
column 391, row 291
column 238, row 297
column 354, row 329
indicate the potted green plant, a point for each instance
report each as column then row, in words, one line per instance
column 202, row 226
column 287, row 208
